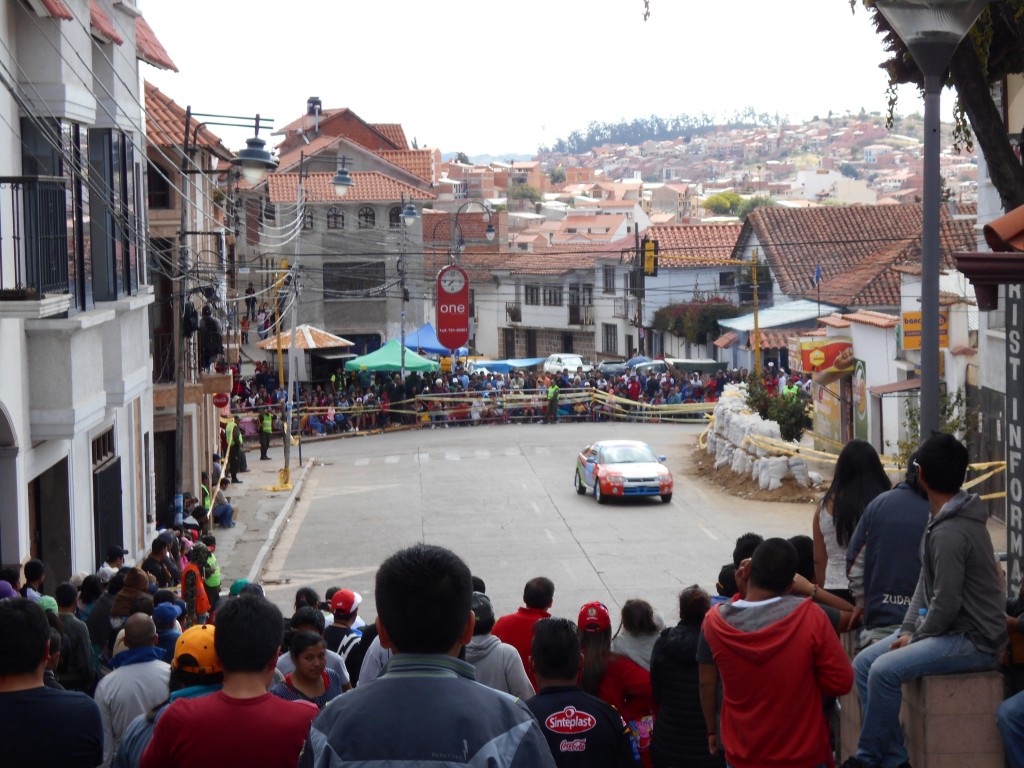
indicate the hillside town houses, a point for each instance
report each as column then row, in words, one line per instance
column 105, row 226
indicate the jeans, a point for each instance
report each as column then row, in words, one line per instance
column 223, row 514
column 880, row 674
column 1011, row 726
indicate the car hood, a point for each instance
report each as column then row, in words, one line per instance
column 645, row 469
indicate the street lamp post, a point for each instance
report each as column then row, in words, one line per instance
column 409, row 216
column 341, row 182
column 931, row 30
column 254, row 162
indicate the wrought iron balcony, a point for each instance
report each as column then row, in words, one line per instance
column 34, row 232
column 624, row 308
column 581, row 314
column 514, row 311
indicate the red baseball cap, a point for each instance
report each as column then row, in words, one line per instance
column 345, row 600
column 594, row 617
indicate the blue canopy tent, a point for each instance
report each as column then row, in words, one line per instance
column 424, row 339
column 512, row 364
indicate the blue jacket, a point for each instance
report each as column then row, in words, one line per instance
column 883, row 558
column 426, row 709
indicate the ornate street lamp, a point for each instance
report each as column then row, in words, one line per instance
column 931, row 30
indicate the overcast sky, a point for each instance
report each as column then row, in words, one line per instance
column 502, row 77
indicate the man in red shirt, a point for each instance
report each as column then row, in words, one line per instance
column 516, row 629
column 777, row 655
column 252, row 727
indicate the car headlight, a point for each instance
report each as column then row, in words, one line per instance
column 615, row 479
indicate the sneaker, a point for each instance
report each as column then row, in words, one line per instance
column 853, row 762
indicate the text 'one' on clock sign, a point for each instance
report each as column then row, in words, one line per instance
column 452, row 307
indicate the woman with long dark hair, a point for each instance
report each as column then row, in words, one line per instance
column 638, row 632
column 615, row 679
column 680, row 734
column 311, row 680
column 858, row 478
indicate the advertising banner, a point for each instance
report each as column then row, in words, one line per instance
column 827, row 355
column 911, row 330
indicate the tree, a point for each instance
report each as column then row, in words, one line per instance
column 991, row 51
column 723, row 203
column 524, row 192
column 462, row 157
column 748, row 205
column 954, row 417
column 849, row 171
column 557, row 175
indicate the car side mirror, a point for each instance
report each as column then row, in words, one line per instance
column 591, row 460
column 661, row 459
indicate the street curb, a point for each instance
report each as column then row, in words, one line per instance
column 256, row 570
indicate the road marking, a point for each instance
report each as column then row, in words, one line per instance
column 392, row 459
column 550, row 535
column 511, row 452
column 542, row 450
column 482, row 453
column 708, row 531
column 452, row 456
column 362, row 462
column 536, row 508
column 422, row 458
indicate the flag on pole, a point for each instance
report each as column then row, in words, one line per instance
column 817, row 274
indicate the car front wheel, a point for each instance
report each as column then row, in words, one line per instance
column 666, row 498
column 601, row 498
column 580, row 487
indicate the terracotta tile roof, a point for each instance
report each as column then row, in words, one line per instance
column 306, row 121
column 291, row 158
column 858, row 248
column 478, row 266
column 102, row 26
column 778, row 339
column 369, row 186
column 834, row 321
column 877, row 319
column 55, row 9
column 437, row 228
column 165, row 121
column 149, row 49
column 694, row 245
column 727, row 339
column 393, row 132
column 417, row 161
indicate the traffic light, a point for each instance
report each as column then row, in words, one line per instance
column 650, row 248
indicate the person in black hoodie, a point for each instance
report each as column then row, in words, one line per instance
column 680, row 732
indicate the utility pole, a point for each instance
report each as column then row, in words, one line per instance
column 638, row 290
column 179, row 338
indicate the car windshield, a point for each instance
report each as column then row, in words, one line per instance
column 628, row 454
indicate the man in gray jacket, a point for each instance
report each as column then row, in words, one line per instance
column 427, row 706
column 497, row 664
column 955, row 621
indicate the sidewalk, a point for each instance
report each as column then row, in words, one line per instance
column 260, row 514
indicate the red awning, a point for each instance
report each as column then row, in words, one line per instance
column 149, row 49
column 895, row 387
column 55, row 9
column 102, row 26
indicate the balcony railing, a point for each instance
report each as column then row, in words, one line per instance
column 163, row 358
column 514, row 311
column 581, row 314
column 36, row 234
column 624, row 308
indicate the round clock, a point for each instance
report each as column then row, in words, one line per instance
column 453, row 281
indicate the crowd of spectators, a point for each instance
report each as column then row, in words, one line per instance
column 746, row 676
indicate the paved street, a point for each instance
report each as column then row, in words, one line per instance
column 502, row 497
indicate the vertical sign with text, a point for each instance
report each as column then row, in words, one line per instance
column 452, row 307
column 1014, row 442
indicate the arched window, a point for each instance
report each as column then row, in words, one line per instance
column 307, row 220
column 395, row 217
column 367, row 218
column 335, row 219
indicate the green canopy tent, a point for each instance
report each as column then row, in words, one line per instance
column 389, row 358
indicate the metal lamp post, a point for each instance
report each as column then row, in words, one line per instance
column 255, row 161
column 409, row 216
column 489, row 233
column 931, row 30
column 342, row 183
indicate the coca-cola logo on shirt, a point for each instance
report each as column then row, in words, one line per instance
column 570, row 720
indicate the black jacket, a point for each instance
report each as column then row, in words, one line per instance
column 680, row 735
